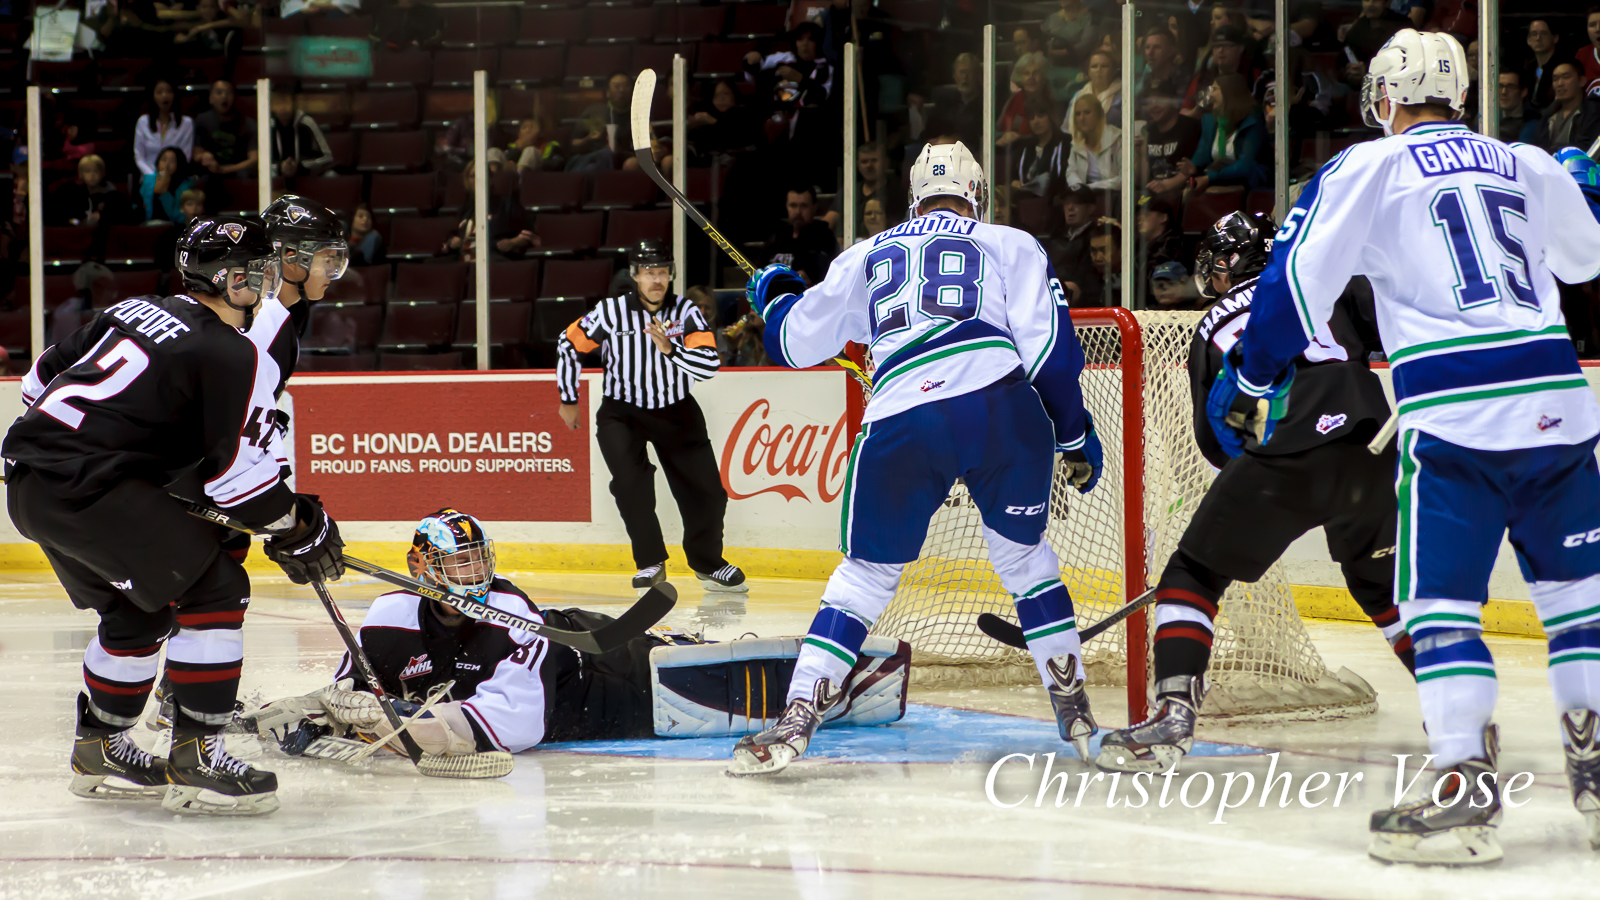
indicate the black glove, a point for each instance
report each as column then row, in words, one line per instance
column 317, row 552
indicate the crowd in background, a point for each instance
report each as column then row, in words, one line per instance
column 1203, row 99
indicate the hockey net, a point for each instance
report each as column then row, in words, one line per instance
column 1113, row 543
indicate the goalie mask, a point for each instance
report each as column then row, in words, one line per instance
column 451, row 550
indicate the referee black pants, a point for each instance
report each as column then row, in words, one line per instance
column 678, row 432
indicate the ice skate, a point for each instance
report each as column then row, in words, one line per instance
column 1071, row 703
column 1462, row 833
column 1157, row 743
column 728, row 579
column 206, row 781
column 1583, row 766
column 773, row 749
column 108, row 765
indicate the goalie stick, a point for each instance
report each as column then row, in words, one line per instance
column 644, row 93
column 1011, row 635
column 636, row 620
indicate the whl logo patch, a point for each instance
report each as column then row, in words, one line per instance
column 931, row 386
column 419, row 665
column 1329, row 423
column 1546, row 423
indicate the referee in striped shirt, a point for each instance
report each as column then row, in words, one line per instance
column 655, row 345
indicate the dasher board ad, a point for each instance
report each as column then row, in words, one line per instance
column 372, row 448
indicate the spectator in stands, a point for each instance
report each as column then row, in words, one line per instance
column 794, row 90
column 298, row 146
column 1366, row 35
column 1589, row 56
column 226, row 137
column 802, row 242
column 1026, row 46
column 1173, row 289
column 1458, row 18
column 163, row 189
column 1068, row 245
column 509, row 236
column 192, row 204
column 1161, row 72
column 1041, row 170
column 76, row 129
column 1160, row 233
column 1170, row 140
column 1519, row 121
column 1227, row 58
column 14, row 229
column 1070, row 35
column 129, row 29
column 1538, row 69
column 213, row 34
column 534, row 150
column 874, row 218
column 1096, row 157
column 90, row 202
column 603, row 130
column 723, row 124
column 1105, row 83
column 961, row 103
column 1105, row 255
column 1416, row 11
column 1310, row 98
column 1013, row 125
column 161, row 126
column 1573, row 120
column 1231, row 137
column 874, row 181
column 407, row 23
column 366, row 244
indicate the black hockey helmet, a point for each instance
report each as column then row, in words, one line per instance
column 649, row 253
column 301, row 228
column 1237, row 245
column 451, row 550
column 212, row 246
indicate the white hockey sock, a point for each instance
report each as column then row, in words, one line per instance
column 857, row 594
column 1032, row 575
column 1457, row 686
column 1571, row 622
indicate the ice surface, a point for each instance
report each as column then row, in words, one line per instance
column 889, row 812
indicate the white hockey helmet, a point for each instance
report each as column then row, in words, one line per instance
column 1414, row 68
column 948, row 170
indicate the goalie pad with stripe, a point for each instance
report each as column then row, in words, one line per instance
column 739, row 687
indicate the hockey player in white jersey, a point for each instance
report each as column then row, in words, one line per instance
column 977, row 378
column 1463, row 238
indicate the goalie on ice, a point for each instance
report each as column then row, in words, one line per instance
column 509, row 690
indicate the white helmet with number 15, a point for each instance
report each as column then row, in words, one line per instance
column 1414, row 68
column 948, row 170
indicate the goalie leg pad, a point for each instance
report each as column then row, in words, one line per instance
column 740, row 687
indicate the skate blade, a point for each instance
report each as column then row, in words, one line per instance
column 714, row 587
column 1592, row 816
column 1471, row 845
column 747, row 763
column 188, row 800
column 108, row 787
column 1120, row 759
column 1081, row 745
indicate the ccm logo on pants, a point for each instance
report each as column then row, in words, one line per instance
column 1029, row 510
column 1578, row 540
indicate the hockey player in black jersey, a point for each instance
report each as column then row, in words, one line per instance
column 514, row 690
column 1316, row 471
column 146, row 390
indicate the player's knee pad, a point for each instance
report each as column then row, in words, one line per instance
column 1566, row 603
column 863, row 588
column 224, row 582
column 740, row 687
column 1021, row 567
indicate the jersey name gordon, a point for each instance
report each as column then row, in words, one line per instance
column 929, row 225
column 153, row 321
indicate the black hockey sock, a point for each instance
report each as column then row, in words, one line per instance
column 1377, row 601
column 1186, row 610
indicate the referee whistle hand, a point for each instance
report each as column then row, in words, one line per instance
column 569, row 415
column 658, row 334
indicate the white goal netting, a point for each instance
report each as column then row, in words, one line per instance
column 1263, row 663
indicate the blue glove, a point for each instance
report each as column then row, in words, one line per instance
column 1238, row 415
column 1085, row 461
column 1584, row 171
column 770, row 283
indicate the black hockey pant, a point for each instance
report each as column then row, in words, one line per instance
column 678, row 432
column 154, row 574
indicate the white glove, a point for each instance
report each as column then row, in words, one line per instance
column 278, row 719
column 442, row 731
column 351, row 707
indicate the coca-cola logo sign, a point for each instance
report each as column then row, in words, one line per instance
column 763, row 455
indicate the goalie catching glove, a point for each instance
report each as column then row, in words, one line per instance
column 310, row 548
column 1084, row 458
column 1239, row 411
column 770, row 283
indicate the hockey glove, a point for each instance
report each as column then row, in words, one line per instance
column 770, row 283
column 313, row 550
column 1084, row 460
column 1238, row 412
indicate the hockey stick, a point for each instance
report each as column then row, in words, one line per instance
column 1385, row 435
column 644, row 94
column 1011, row 635
column 635, row 621
column 438, row 693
